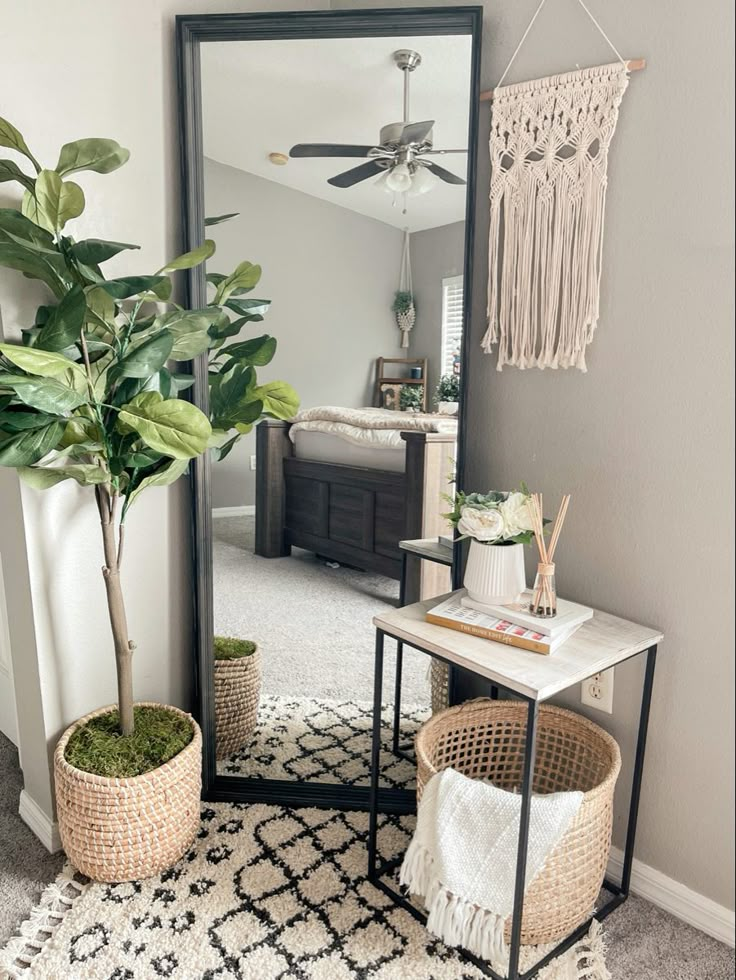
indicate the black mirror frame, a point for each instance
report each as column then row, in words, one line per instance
column 191, row 31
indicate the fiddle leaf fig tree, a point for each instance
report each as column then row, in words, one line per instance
column 89, row 394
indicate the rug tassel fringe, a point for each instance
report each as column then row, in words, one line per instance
column 45, row 918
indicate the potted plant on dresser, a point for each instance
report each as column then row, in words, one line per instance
column 447, row 394
column 88, row 396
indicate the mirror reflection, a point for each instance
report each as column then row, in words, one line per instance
column 345, row 160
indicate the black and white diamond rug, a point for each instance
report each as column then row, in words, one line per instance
column 265, row 893
column 323, row 741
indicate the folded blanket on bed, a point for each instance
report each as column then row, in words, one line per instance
column 462, row 858
column 369, row 426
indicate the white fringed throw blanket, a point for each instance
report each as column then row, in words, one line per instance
column 462, row 858
column 549, row 160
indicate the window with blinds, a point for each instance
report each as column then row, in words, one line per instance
column 452, row 324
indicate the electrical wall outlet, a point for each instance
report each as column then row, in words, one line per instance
column 253, row 462
column 597, row 691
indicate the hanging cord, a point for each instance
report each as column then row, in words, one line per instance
column 405, row 275
column 531, row 24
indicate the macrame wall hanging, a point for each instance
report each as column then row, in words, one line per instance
column 549, row 157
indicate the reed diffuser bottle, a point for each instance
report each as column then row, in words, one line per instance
column 544, row 594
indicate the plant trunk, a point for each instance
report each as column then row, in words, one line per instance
column 118, row 623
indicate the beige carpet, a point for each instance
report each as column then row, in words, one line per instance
column 312, row 622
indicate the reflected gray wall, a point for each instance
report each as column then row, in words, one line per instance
column 435, row 255
column 331, row 275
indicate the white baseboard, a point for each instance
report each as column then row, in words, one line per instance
column 248, row 510
column 46, row 829
column 677, row 899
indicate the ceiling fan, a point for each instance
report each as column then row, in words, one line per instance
column 400, row 156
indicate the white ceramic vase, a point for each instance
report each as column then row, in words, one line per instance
column 447, row 408
column 495, row 573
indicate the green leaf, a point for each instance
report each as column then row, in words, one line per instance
column 43, row 477
column 79, row 431
column 99, row 155
column 191, row 259
column 181, row 382
column 92, row 251
column 258, row 351
column 245, row 277
column 10, row 137
column 279, row 399
column 147, row 359
column 28, row 447
column 53, row 202
column 18, row 420
column 65, row 323
column 11, row 171
column 168, row 474
column 16, row 228
column 173, row 427
column 45, row 394
column 223, row 450
column 101, row 308
column 218, row 219
column 248, row 309
column 43, row 363
column 129, row 286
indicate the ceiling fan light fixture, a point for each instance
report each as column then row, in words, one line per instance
column 422, row 181
column 399, row 179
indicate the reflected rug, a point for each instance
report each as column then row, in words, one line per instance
column 323, row 741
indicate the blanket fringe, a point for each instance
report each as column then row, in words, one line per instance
column 55, row 902
column 456, row 921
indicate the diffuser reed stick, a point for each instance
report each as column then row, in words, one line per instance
column 544, row 596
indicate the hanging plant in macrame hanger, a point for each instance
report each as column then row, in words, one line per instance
column 403, row 305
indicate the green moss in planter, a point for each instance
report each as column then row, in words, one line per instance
column 228, row 648
column 99, row 747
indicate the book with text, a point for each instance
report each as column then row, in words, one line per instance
column 568, row 614
column 452, row 614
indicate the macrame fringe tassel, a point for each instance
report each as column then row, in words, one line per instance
column 549, row 153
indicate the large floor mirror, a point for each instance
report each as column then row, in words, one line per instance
column 344, row 144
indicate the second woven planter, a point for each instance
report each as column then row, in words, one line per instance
column 237, row 694
column 486, row 739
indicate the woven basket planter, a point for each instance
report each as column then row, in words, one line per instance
column 439, row 681
column 125, row 829
column 237, row 693
column 485, row 739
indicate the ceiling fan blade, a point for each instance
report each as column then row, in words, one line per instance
column 329, row 150
column 354, row 176
column 443, row 174
column 415, row 132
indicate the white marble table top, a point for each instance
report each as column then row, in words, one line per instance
column 602, row 642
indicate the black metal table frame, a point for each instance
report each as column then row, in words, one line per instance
column 619, row 892
column 396, row 746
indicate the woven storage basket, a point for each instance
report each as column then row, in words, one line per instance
column 439, row 680
column 485, row 739
column 126, row 829
column 237, row 693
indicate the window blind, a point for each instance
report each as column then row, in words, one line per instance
column 452, row 324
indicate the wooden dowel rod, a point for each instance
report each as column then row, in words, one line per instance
column 633, row 64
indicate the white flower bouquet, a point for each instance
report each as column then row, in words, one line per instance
column 496, row 517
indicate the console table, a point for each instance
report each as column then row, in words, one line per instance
column 603, row 642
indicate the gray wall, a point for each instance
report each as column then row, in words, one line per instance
column 644, row 441
column 435, row 255
column 331, row 275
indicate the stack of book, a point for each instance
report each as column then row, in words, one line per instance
column 512, row 624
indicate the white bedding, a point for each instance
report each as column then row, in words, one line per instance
column 369, row 428
column 326, row 447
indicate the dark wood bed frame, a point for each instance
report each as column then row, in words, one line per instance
column 352, row 514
